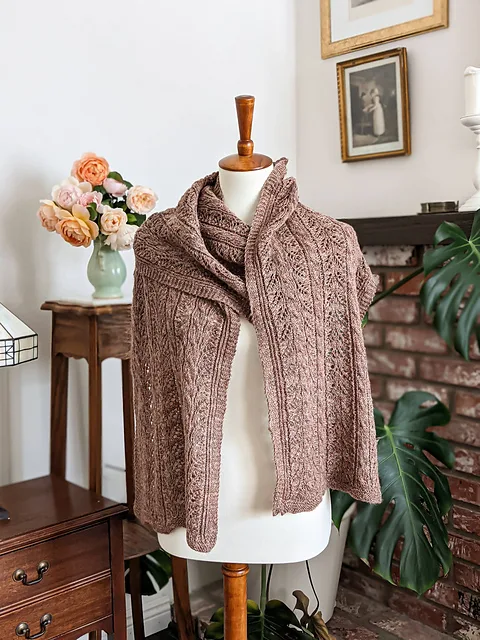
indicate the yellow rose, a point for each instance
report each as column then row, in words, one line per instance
column 76, row 228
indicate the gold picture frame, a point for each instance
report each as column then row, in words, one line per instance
column 438, row 20
column 374, row 106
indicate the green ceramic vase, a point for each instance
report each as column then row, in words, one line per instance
column 106, row 271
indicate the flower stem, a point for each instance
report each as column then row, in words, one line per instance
column 263, row 600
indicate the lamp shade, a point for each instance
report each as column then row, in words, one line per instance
column 18, row 343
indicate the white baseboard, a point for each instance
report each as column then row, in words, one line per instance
column 156, row 613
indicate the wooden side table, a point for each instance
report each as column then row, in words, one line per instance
column 61, row 562
column 96, row 332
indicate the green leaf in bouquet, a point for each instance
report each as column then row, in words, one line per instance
column 128, row 184
column 92, row 210
column 132, row 218
column 141, row 218
column 114, row 175
column 100, row 189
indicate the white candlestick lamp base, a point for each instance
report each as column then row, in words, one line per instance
column 473, row 203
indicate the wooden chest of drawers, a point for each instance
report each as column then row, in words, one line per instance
column 61, row 563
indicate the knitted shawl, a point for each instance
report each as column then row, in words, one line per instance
column 302, row 281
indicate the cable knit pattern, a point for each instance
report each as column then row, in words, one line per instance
column 302, row 281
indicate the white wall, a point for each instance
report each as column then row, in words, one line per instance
column 149, row 85
column 443, row 151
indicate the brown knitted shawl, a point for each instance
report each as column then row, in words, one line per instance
column 302, row 281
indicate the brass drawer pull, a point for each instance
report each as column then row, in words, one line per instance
column 24, row 630
column 20, row 575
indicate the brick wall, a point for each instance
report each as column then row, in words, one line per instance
column 405, row 353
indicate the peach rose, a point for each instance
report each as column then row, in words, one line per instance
column 47, row 215
column 91, row 168
column 141, row 199
column 76, row 228
column 114, row 187
column 112, row 219
column 123, row 238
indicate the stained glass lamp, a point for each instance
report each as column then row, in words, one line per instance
column 18, row 343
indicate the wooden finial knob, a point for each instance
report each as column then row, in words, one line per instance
column 245, row 106
column 245, row 159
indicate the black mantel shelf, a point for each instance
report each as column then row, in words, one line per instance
column 401, row 230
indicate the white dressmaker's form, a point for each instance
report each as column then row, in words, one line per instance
column 472, row 121
column 248, row 533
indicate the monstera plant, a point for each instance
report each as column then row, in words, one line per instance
column 410, row 517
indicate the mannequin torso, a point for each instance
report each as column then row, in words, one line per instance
column 247, row 530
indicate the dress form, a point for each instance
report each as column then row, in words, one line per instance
column 247, row 530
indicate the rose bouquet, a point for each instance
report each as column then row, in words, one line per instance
column 96, row 204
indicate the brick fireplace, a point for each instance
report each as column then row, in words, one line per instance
column 405, row 353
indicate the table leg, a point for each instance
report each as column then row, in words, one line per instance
column 128, row 430
column 58, row 413
column 181, row 599
column 235, row 600
column 94, row 411
column 118, row 580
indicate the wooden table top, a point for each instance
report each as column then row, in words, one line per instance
column 49, row 506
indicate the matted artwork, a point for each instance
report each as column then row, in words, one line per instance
column 348, row 25
column 374, row 105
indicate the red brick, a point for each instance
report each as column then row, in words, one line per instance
column 464, row 629
column 373, row 335
column 395, row 310
column 443, row 594
column 467, row 404
column 465, row 548
column 465, row 374
column 380, row 279
column 461, row 431
column 419, row 340
column 467, row 575
column 417, row 609
column 401, row 256
column 469, row 604
column 396, row 388
column 394, row 364
column 465, row 489
column 411, row 288
column 466, row 519
column 467, row 461
column 376, row 383
column 365, row 584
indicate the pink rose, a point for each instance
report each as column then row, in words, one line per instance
column 141, row 199
column 123, row 238
column 111, row 219
column 69, row 192
column 47, row 215
column 114, row 187
column 89, row 197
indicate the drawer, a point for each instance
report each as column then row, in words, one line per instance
column 69, row 610
column 70, row 558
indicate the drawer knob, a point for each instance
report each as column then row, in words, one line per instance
column 23, row 629
column 21, row 576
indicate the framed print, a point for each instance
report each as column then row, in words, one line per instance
column 349, row 25
column 374, row 106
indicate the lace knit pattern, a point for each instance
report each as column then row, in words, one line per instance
column 302, row 281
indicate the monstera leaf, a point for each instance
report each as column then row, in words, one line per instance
column 155, row 572
column 454, row 271
column 277, row 623
column 313, row 622
column 414, row 515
